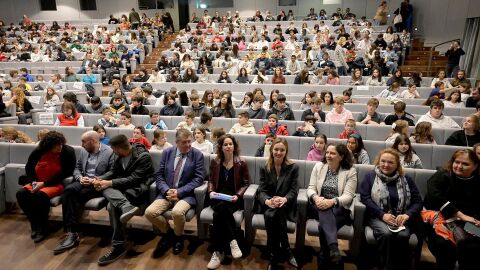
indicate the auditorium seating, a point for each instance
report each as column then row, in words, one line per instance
column 18, row 154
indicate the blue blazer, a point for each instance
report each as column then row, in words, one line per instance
column 191, row 178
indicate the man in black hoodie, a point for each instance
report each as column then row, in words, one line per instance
column 399, row 114
column 137, row 106
column 125, row 187
column 197, row 107
column 142, row 76
column 281, row 109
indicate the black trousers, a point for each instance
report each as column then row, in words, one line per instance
column 446, row 253
column 36, row 207
column 330, row 220
column 74, row 198
column 224, row 226
column 277, row 233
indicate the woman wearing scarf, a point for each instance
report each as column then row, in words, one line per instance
column 393, row 205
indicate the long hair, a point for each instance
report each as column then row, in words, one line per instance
column 398, row 126
column 69, row 105
column 20, row 101
column 205, row 100
column 471, row 155
column 271, row 100
column 360, row 145
column 347, row 158
column 423, row 130
column 395, row 153
column 236, row 149
column 286, row 160
column 404, row 139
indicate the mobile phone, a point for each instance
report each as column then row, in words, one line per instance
column 34, row 185
column 472, row 229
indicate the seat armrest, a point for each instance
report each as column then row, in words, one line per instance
column 67, row 181
column 358, row 227
column 301, row 223
column 200, row 193
column 249, row 197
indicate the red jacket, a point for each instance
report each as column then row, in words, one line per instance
column 67, row 121
column 281, row 130
column 143, row 141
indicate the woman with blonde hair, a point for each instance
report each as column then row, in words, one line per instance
column 11, row 135
column 393, row 204
column 277, row 200
column 469, row 135
column 400, row 127
column 23, row 105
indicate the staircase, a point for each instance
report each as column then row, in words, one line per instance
column 418, row 57
column 151, row 59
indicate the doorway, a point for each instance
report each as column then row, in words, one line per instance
column 183, row 13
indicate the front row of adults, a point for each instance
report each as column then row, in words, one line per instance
column 123, row 172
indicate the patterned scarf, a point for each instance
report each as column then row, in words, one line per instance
column 381, row 196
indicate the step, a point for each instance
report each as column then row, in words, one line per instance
column 426, row 53
column 426, row 57
column 425, row 62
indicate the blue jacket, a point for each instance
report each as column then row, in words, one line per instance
column 192, row 175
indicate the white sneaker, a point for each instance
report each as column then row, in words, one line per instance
column 216, row 260
column 236, row 252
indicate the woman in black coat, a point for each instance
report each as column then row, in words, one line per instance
column 47, row 166
column 277, row 196
column 453, row 192
column 469, row 135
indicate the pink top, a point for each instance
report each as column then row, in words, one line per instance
column 334, row 117
column 333, row 81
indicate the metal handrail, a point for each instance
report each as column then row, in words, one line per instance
column 433, row 48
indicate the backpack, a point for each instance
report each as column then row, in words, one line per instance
column 90, row 90
column 38, row 87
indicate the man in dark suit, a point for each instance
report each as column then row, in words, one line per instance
column 95, row 159
column 180, row 172
column 125, row 187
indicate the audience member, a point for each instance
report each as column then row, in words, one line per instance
column 277, row 202
column 179, row 173
column 48, row 164
column 228, row 175
column 331, row 191
column 95, row 159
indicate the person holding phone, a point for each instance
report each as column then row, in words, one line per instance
column 453, row 192
column 454, row 53
column 393, row 204
column 48, row 164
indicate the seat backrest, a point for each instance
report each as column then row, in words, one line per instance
column 441, row 154
column 362, row 171
column 421, row 180
column 249, row 143
column 373, row 148
column 19, row 152
column 424, row 152
column 377, row 133
column 308, row 171
column 5, row 153
column 259, row 163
